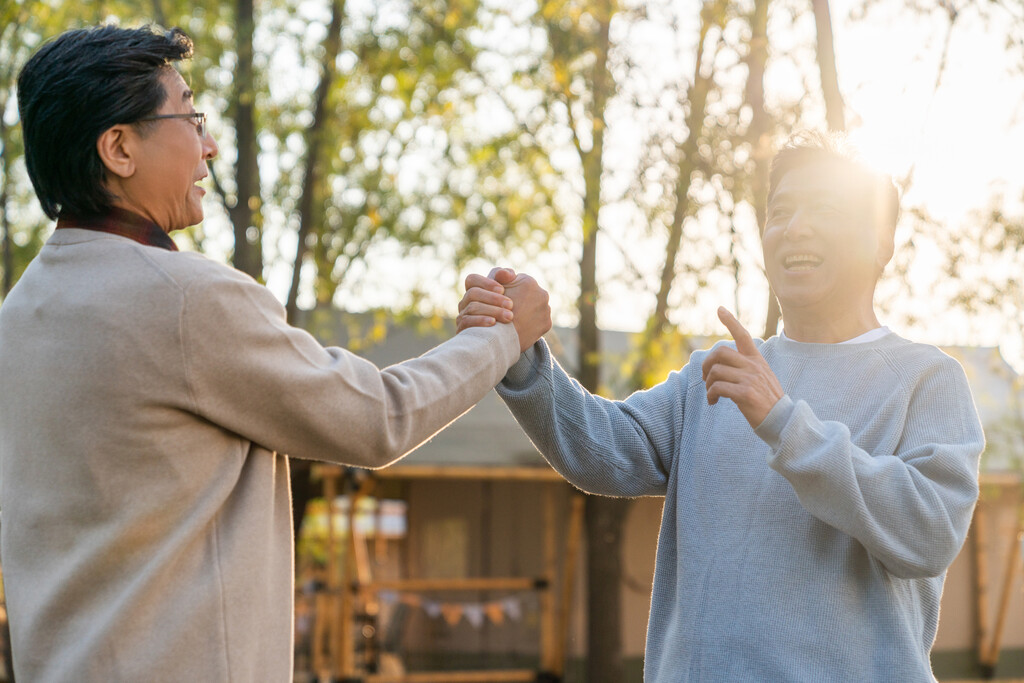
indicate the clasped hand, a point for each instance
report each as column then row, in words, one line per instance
column 495, row 297
column 741, row 374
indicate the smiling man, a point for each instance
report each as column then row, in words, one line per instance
column 148, row 396
column 809, row 519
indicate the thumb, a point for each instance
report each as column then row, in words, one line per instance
column 502, row 276
column 744, row 342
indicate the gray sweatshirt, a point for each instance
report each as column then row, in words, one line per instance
column 812, row 549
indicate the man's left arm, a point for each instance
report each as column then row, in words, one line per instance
column 909, row 509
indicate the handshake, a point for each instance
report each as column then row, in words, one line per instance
column 504, row 297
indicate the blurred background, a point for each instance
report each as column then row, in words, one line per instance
column 375, row 152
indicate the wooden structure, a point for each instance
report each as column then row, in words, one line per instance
column 353, row 593
column 484, row 445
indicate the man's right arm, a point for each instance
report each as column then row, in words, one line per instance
column 615, row 448
column 249, row 372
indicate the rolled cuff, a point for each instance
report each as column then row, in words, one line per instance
column 770, row 429
column 524, row 370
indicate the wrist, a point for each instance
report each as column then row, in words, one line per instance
column 771, row 427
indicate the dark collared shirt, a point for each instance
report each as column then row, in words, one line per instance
column 124, row 223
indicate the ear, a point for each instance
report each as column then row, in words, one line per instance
column 116, row 148
column 886, row 247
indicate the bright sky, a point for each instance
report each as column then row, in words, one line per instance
column 959, row 140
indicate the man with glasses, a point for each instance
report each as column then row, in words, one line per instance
column 149, row 396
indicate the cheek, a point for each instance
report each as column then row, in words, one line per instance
column 770, row 241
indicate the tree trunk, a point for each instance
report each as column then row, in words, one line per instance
column 158, row 14
column 5, row 222
column 688, row 164
column 834, row 107
column 245, row 215
column 314, row 143
column 759, row 136
column 302, row 486
column 604, row 517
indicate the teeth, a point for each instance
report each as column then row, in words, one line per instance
column 800, row 262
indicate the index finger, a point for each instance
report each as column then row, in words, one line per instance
column 744, row 342
column 502, row 275
column 483, row 282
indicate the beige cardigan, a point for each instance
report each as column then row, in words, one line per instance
column 146, row 399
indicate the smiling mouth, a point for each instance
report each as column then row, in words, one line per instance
column 801, row 262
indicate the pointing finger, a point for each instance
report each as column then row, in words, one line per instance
column 744, row 342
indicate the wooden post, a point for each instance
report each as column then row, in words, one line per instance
column 330, row 476
column 356, row 573
column 981, row 578
column 548, row 623
column 321, row 662
column 1012, row 566
column 357, row 542
column 488, row 583
column 488, row 676
column 345, row 614
column 572, row 553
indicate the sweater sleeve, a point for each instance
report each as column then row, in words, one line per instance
column 910, row 509
column 614, row 448
column 251, row 373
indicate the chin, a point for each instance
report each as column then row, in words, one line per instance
column 795, row 301
column 194, row 217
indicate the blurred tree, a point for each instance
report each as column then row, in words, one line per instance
column 244, row 211
column 577, row 83
column 649, row 367
column 312, row 190
column 835, row 109
column 23, row 25
column 759, row 136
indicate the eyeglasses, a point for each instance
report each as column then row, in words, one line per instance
column 198, row 118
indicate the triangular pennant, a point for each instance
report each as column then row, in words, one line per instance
column 513, row 609
column 452, row 614
column 495, row 612
column 433, row 609
column 474, row 615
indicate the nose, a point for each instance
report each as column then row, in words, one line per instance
column 800, row 225
column 210, row 148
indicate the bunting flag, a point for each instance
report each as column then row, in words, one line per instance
column 433, row 609
column 513, row 608
column 452, row 613
column 495, row 611
column 474, row 615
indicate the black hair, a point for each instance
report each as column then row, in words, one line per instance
column 74, row 88
column 808, row 147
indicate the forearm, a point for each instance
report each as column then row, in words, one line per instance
column 910, row 511
column 403, row 405
column 598, row 445
column 251, row 373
